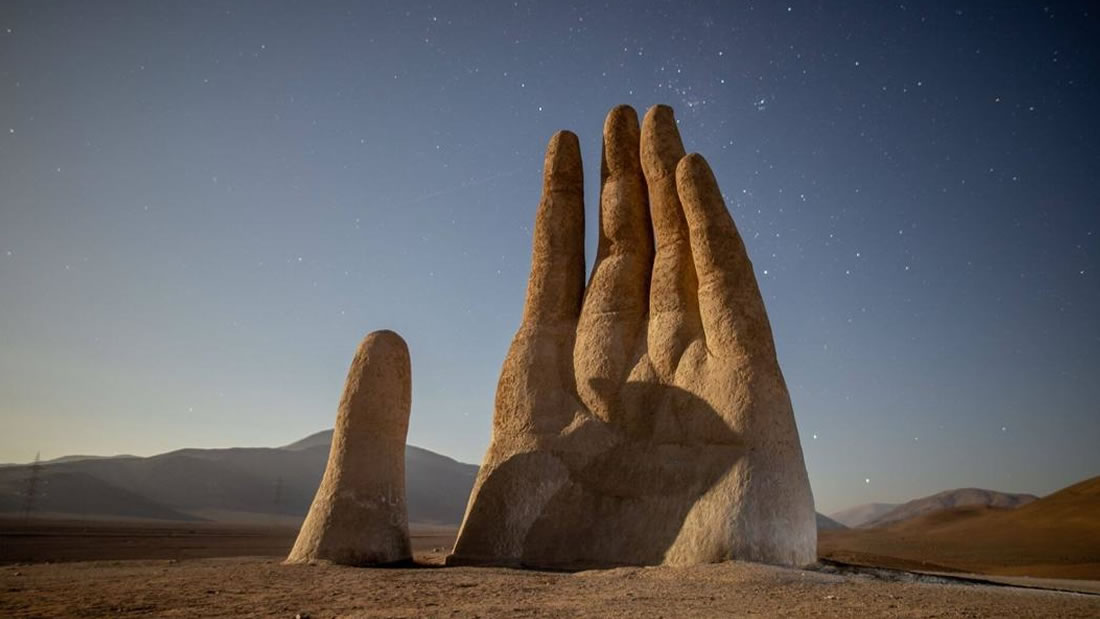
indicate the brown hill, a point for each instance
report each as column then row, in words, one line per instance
column 825, row 523
column 58, row 490
column 950, row 499
column 1056, row 536
column 861, row 514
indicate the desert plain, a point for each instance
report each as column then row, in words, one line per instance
column 74, row 568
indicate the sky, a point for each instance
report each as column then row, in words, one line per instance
column 204, row 206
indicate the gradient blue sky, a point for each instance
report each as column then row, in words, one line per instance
column 205, row 205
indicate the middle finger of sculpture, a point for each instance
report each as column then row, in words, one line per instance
column 641, row 419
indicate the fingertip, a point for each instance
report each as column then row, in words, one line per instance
column 385, row 348
column 620, row 139
column 661, row 146
column 620, row 113
column 384, row 340
column 377, row 392
column 564, row 138
column 660, row 109
column 562, row 168
column 659, row 115
column 691, row 164
column 693, row 177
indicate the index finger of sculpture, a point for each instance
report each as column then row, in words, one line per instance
column 732, row 311
column 556, row 285
column 673, row 302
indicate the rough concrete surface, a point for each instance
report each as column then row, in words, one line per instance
column 359, row 515
column 642, row 418
column 254, row 587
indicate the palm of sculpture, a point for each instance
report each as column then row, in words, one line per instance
column 643, row 419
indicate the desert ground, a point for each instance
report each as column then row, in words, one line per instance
column 73, row 568
column 264, row 587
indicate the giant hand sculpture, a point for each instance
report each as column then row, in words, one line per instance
column 643, row 419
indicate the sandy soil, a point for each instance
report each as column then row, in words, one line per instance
column 260, row 586
column 74, row 568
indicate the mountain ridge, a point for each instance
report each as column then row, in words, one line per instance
column 950, row 499
column 234, row 482
column 861, row 514
column 278, row 483
column 1056, row 536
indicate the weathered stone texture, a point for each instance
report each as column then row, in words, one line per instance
column 641, row 418
column 359, row 516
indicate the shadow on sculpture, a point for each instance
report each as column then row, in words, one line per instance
column 624, row 506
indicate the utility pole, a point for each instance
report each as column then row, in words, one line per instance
column 30, row 493
column 277, row 501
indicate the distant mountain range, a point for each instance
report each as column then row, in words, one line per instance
column 950, row 499
column 825, row 523
column 882, row 514
column 71, row 459
column 861, row 514
column 236, row 484
column 277, row 485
